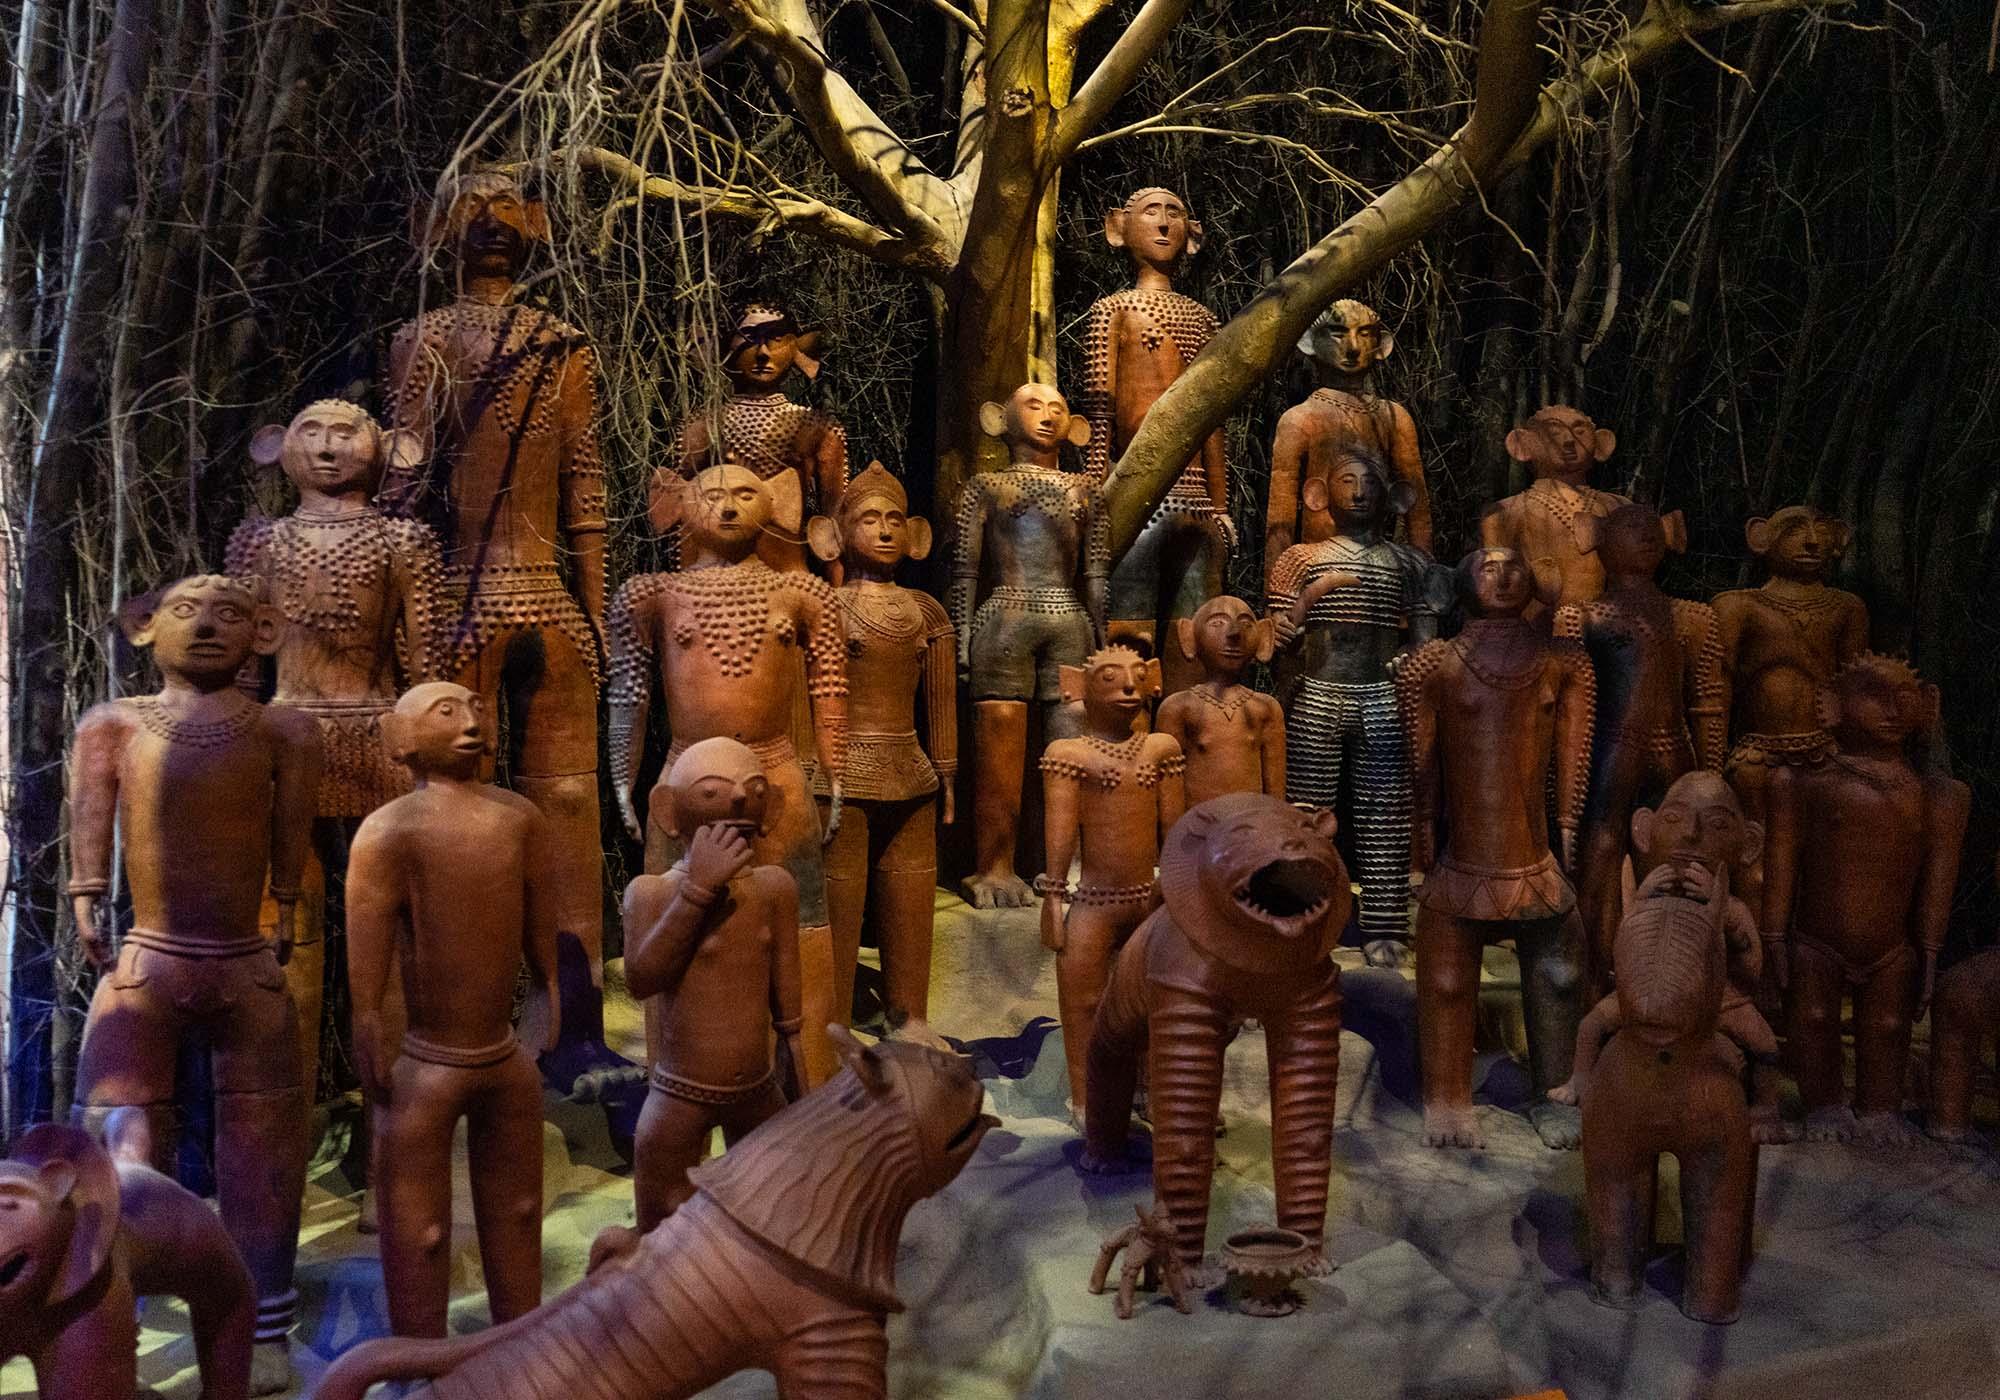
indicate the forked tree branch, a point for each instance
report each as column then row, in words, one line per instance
column 1114, row 76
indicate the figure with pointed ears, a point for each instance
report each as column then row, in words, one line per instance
column 1232, row 737
column 1548, row 524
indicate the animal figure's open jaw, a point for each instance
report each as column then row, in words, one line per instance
column 13, row 1268
column 1288, row 895
column 966, row 1139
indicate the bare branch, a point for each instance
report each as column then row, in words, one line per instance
column 1114, row 77
column 958, row 17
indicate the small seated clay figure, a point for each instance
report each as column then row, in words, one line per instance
column 1343, row 346
column 1859, row 882
column 208, row 793
column 86, row 1233
column 784, row 1258
column 882, row 862
column 1964, row 1018
column 1114, row 794
column 1028, row 539
column 1232, row 737
column 1255, row 897
column 452, row 881
column 714, row 951
column 1547, row 523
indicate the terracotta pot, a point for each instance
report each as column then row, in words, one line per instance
column 1263, row 1262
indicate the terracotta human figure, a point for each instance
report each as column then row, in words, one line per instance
column 721, row 638
column 85, row 1236
column 1545, row 524
column 1135, row 343
column 1029, row 540
column 1658, row 662
column 1864, row 852
column 1232, row 737
column 1255, row 898
column 453, row 881
column 503, row 397
column 784, row 1259
column 357, row 589
column 883, row 859
column 757, row 427
column 1492, row 715
column 1668, row 1082
column 1343, row 346
column 1964, row 1018
column 715, row 950
column 1110, row 796
column 207, row 794
column 1344, row 607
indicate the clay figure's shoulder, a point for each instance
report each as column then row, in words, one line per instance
column 110, row 722
column 1567, row 653
column 771, row 882
column 290, row 727
column 807, row 587
column 647, row 896
column 1733, row 604
column 1265, row 708
column 642, row 591
column 1160, row 748
column 409, row 537
column 935, row 620
column 1691, row 619
column 250, row 545
column 1571, row 621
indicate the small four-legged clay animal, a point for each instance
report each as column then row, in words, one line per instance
column 1151, row 1262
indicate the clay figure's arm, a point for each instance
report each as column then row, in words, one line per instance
column 1729, row 617
column 1272, row 743
column 1288, row 462
column 416, row 372
column 1096, row 521
column 1576, row 720
column 1781, row 841
column 1420, row 728
column 1062, row 810
column 1497, row 527
column 826, row 679
column 541, row 1024
column 1172, row 718
column 582, row 482
column 1281, row 592
column 633, row 663
column 1744, row 943
column 1430, row 595
column 247, row 557
column 1171, row 765
column 377, row 913
column 294, row 804
column 1100, row 386
column 1947, row 805
column 939, row 684
column 420, row 574
column 1406, row 460
column 1707, row 714
column 1853, row 638
column 93, row 818
column 969, row 531
column 829, row 465
column 787, row 981
column 662, row 936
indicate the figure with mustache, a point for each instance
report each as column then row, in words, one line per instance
column 1548, row 524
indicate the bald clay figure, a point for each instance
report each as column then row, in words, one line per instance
column 1548, row 524
column 1232, row 737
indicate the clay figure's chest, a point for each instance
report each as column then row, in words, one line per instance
column 510, row 382
column 1496, row 692
column 1376, row 590
column 208, row 773
column 730, row 631
column 334, row 581
column 1870, row 812
column 1340, row 424
column 1164, row 328
column 1047, row 501
column 1634, row 649
column 1804, row 639
column 884, row 642
column 767, row 435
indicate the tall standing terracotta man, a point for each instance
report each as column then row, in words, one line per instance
column 1550, row 523
column 1135, row 343
column 208, row 793
column 503, row 398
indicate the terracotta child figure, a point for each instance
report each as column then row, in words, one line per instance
column 503, row 398
column 883, row 858
column 453, row 881
column 207, row 793
column 1028, row 540
column 715, row 951
column 1343, row 346
column 1859, row 882
column 1545, row 523
column 721, row 638
column 1491, row 714
column 1233, row 737
column 1115, row 794
column 1135, row 343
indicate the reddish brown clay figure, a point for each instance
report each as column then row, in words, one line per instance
column 1028, row 538
column 85, row 1237
column 1232, row 737
column 883, row 859
column 1859, row 880
column 1152, row 1262
column 715, row 952
column 1964, row 1019
column 1255, row 899
column 1659, row 696
column 783, row 1259
column 1113, row 794
column 1135, row 343
column 1547, row 524
column 207, row 793
column 1668, row 1082
column 1492, row 714
column 503, row 398
column 721, row 638
column 453, row 882
column 1343, row 346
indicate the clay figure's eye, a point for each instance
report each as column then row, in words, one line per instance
column 447, row 709
column 229, row 614
column 185, row 609
column 755, row 787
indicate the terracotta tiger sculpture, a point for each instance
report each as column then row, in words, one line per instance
column 784, row 1258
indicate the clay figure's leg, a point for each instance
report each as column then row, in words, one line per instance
column 845, row 861
column 1752, row 782
column 1551, row 952
column 843, row 1357
column 1598, row 1025
column 1184, row 1070
column 96, row 1355
column 305, row 973
column 1882, row 1008
column 793, row 841
column 131, row 1040
column 1747, row 1029
column 1302, row 1049
column 1083, row 968
column 504, row 1149
column 1607, row 821
column 1193, row 574
column 672, row 1139
column 1447, row 998
column 413, row 1193
column 1962, row 1021
column 1812, row 1040
column 1000, row 748
column 1718, row 1173
column 1382, row 802
column 905, row 884
column 1117, row 1041
column 1133, row 607
column 738, row 1120
column 1619, row 1180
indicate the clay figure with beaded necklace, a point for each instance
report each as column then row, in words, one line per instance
column 1233, row 737
column 1548, row 523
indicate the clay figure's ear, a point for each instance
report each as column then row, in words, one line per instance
column 1628, row 885
column 535, row 219
column 660, row 808
column 1114, row 227
column 1521, row 444
column 1839, row 532
column 1585, row 530
column 135, row 617
column 1753, row 845
column 1322, row 820
column 864, row 1060
column 805, row 355
column 1642, row 830
column 401, row 449
column 71, row 1167
column 1184, row 636
column 267, row 444
column 1607, row 443
column 1385, row 344
column 823, row 534
column 1155, row 678
column 917, row 536
column 993, row 419
column 1314, row 495
column 1194, row 236
column 1402, row 496
column 1072, row 680
column 1078, row 431
column 1757, row 534
column 399, row 738
column 668, row 500
column 1264, row 638
column 269, row 622
column 1674, row 526
column 788, row 505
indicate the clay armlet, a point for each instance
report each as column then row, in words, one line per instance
column 789, row 1026
column 700, row 896
column 1046, row 887
column 288, row 896
column 77, row 887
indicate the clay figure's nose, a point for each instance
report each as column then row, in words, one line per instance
column 204, row 624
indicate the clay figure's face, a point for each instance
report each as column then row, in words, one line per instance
column 1500, row 583
column 878, row 531
column 1876, row 712
column 1804, row 545
column 495, row 225
column 767, row 347
column 204, row 630
column 1356, row 491
column 1038, row 416
column 1115, row 687
column 332, row 448
column 1156, row 229
column 1224, row 635
column 728, row 788
column 1357, row 344
column 1632, row 542
column 729, row 510
column 1270, row 862
column 32, row 1240
column 945, row 1100
column 1700, row 820
column 441, row 728
column 1565, row 442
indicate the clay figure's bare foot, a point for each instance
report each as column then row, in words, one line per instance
column 1570, row 1092
column 997, row 889
column 1770, row 1127
column 915, row 1030
column 1954, row 1134
column 1834, row 1124
column 1208, row 1274
column 270, row 1368
column 367, row 1222
column 1317, row 1265
column 1453, row 1127
column 1559, row 1126
column 614, row 1245
column 1137, row 1157
column 1887, row 1129
column 1385, row 952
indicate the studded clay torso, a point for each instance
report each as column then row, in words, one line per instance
column 1381, row 595
column 1163, row 326
column 767, row 433
column 1036, row 520
column 1643, row 648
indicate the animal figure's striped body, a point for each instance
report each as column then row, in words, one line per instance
column 1671, row 961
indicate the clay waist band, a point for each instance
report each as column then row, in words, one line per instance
column 768, row 751
column 180, row 946
column 452, row 1057
column 694, row 1092
column 372, row 706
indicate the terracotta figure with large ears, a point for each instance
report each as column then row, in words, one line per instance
column 209, row 795
column 883, row 859
column 1114, row 794
column 1343, row 346
column 1548, row 524
column 503, row 397
column 1858, row 885
column 1029, row 539
column 1233, row 737
column 720, row 640
column 1135, row 343
column 85, row 1237
column 452, row 880
column 1964, row 1019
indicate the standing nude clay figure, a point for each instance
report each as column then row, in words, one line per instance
column 503, row 398
column 721, row 639
column 1343, row 346
column 715, row 951
column 1658, row 662
column 1548, row 523
column 1115, row 794
column 1028, row 540
column 1964, row 1019
column 1135, row 343
column 883, row 859
column 207, row 793
column 452, row 883
column 1232, row 737
column 1859, row 882
column 1490, row 714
